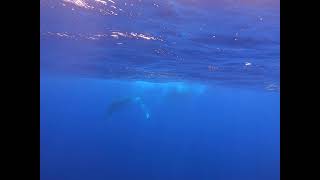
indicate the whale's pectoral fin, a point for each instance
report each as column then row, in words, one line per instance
column 147, row 115
column 145, row 110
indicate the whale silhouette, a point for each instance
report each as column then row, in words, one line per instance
column 120, row 104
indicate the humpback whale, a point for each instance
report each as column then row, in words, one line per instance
column 122, row 103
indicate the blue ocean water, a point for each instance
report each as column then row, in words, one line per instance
column 159, row 90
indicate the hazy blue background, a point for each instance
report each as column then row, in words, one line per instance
column 207, row 73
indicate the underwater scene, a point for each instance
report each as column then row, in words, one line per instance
column 159, row 89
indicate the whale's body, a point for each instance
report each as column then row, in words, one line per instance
column 123, row 103
column 117, row 105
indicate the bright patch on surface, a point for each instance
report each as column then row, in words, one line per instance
column 80, row 3
column 102, row 2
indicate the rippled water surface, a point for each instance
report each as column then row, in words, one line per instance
column 233, row 42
